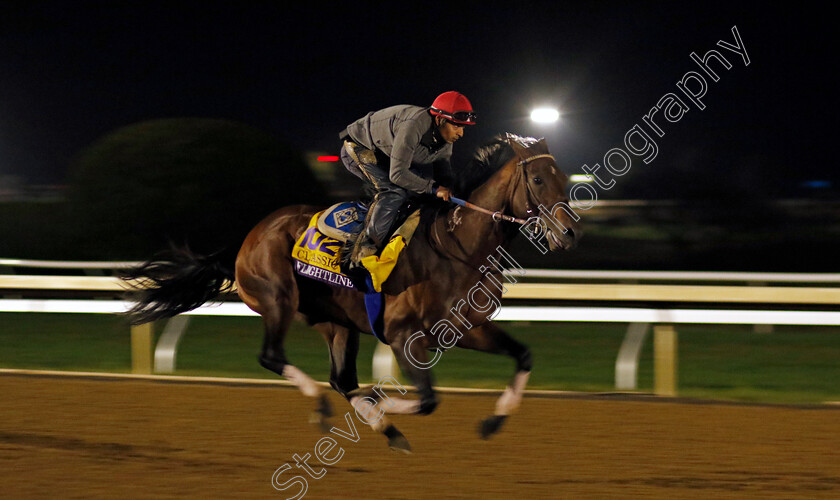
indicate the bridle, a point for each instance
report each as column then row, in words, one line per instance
column 529, row 191
column 521, row 176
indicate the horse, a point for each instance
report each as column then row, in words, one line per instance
column 512, row 178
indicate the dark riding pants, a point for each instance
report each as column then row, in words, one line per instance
column 389, row 198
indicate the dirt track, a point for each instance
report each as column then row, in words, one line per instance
column 72, row 438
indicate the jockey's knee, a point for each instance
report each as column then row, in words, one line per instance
column 351, row 165
column 393, row 196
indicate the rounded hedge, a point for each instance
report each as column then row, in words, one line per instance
column 200, row 182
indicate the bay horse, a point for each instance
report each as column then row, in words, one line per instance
column 514, row 177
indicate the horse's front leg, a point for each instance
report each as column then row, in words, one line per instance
column 490, row 338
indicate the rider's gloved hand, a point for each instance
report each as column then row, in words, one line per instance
column 443, row 192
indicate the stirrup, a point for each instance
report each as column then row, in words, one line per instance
column 354, row 269
column 363, row 248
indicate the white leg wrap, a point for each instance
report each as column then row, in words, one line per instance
column 380, row 424
column 510, row 399
column 400, row 406
column 306, row 385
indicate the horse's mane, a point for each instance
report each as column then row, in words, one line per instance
column 489, row 158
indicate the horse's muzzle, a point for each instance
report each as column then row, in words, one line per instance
column 563, row 241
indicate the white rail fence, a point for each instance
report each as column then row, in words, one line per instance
column 767, row 305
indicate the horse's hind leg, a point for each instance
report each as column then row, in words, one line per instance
column 490, row 338
column 344, row 347
column 276, row 320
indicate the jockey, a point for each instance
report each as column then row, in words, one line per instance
column 404, row 152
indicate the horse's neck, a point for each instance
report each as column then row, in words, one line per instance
column 466, row 246
column 478, row 234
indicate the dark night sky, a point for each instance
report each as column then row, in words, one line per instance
column 72, row 72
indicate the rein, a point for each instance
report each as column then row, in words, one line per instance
column 497, row 215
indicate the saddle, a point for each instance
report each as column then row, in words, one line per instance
column 343, row 221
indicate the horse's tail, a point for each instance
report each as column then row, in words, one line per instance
column 176, row 281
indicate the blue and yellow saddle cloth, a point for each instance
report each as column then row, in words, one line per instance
column 317, row 255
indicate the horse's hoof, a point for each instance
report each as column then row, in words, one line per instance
column 321, row 414
column 321, row 421
column 490, row 426
column 427, row 405
column 397, row 441
column 324, row 406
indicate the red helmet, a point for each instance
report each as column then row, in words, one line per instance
column 454, row 107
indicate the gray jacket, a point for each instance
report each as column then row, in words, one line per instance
column 406, row 134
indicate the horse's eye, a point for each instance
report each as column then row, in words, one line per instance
column 537, row 180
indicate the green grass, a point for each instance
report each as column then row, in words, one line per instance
column 64, row 342
column 792, row 364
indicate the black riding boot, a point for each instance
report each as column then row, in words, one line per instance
column 380, row 220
